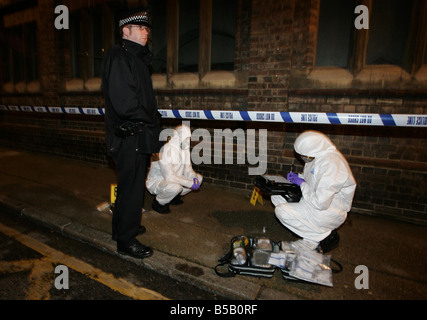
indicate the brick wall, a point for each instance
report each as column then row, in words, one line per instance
column 270, row 54
column 275, row 49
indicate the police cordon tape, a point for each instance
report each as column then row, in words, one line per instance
column 368, row 119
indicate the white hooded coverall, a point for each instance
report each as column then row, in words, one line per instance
column 173, row 174
column 327, row 193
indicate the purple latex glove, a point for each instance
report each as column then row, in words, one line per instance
column 196, row 184
column 293, row 178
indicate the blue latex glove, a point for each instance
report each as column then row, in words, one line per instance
column 293, row 178
column 291, row 175
column 196, row 184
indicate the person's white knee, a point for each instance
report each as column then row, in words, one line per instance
column 173, row 188
column 167, row 192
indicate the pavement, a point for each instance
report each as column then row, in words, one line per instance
column 382, row 259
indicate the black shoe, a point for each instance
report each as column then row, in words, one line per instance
column 135, row 250
column 141, row 230
column 160, row 208
column 329, row 243
column 177, row 200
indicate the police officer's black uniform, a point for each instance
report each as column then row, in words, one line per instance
column 130, row 105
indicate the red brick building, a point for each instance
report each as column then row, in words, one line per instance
column 234, row 55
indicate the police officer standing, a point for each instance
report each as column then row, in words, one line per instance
column 132, row 125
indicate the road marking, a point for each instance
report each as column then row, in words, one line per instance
column 54, row 256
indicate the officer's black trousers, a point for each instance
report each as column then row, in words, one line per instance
column 131, row 170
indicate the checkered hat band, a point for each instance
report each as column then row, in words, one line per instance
column 136, row 18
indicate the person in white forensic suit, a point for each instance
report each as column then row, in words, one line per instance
column 327, row 185
column 172, row 176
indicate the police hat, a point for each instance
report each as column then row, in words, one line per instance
column 135, row 16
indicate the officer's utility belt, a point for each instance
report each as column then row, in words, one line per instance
column 147, row 136
column 130, row 129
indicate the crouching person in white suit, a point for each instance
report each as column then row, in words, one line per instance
column 327, row 185
column 172, row 176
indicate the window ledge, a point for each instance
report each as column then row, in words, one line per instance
column 219, row 79
column 159, row 81
column 331, row 76
column 380, row 74
column 421, row 75
column 33, row 87
column 184, row 80
column 74, row 85
column 8, row 87
column 213, row 79
column 21, row 87
column 93, row 84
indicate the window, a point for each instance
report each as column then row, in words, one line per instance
column 193, row 35
column 188, row 52
column 19, row 53
column 5, row 58
column 97, row 44
column 392, row 48
column 158, row 35
column 335, row 33
column 78, row 53
column 388, row 31
column 91, row 37
column 223, row 34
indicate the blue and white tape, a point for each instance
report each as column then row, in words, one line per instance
column 366, row 119
column 369, row 119
column 69, row 110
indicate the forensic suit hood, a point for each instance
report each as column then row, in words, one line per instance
column 313, row 144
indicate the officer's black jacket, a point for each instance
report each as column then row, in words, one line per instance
column 127, row 89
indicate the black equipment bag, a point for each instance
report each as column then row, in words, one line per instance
column 247, row 256
column 291, row 192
